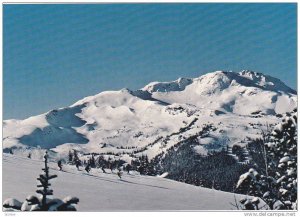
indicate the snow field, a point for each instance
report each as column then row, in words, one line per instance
column 106, row 192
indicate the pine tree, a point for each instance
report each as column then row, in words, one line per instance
column 75, row 156
column 278, row 185
column 100, row 161
column 44, row 184
column 92, row 161
column 70, row 157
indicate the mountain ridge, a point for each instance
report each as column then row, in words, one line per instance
column 244, row 77
column 150, row 120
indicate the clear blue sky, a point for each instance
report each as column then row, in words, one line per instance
column 55, row 55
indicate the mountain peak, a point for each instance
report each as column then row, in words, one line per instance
column 220, row 80
column 177, row 85
column 266, row 82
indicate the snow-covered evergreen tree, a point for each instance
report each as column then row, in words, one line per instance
column 278, row 186
column 92, row 161
column 75, row 157
column 70, row 157
column 44, row 184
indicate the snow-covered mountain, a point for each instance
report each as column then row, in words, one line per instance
column 153, row 119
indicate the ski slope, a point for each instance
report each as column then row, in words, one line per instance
column 106, row 192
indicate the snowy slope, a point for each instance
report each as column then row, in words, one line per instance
column 102, row 192
column 153, row 119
